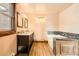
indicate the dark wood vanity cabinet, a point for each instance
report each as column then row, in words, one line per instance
column 25, row 41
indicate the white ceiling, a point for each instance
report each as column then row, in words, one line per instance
column 44, row 7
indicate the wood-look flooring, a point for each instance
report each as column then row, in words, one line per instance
column 40, row 49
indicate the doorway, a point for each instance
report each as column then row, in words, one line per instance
column 40, row 29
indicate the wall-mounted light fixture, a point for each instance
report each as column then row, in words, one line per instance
column 41, row 18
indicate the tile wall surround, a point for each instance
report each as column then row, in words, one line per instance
column 66, row 34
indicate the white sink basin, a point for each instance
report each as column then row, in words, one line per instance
column 25, row 33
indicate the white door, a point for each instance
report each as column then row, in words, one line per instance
column 40, row 29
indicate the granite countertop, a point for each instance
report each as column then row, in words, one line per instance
column 65, row 34
column 65, row 39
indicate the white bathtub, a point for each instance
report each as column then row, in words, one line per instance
column 51, row 38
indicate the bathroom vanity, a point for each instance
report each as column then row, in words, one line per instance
column 24, row 42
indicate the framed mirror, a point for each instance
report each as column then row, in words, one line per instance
column 25, row 23
column 19, row 20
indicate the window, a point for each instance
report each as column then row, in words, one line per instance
column 7, row 19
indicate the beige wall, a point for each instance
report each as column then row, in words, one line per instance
column 8, row 45
column 69, row 19
column 18, row 9
column 52, row 22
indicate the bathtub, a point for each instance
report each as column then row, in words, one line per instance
column 51, row 39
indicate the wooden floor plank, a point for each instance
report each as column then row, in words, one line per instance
column 40, row 49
